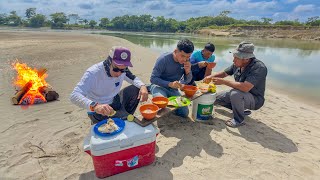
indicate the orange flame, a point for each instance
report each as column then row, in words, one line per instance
column 26, row 74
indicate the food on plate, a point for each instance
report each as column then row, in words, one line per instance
column 179, row 101
column 108, row 127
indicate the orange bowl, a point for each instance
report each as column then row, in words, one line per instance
column 160, row 101
column 190, row 90
column 149, row 111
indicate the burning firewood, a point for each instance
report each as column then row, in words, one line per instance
column 34, row 87
column 49, row 93
column 16, row 98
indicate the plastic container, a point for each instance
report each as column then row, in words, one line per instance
column 134, row 147
column 149, row 111
column 190, row 90
column 203, row 107
column 160, row 101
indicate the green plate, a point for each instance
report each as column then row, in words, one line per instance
column 174, row 101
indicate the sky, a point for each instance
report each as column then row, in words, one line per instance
column 177, row 9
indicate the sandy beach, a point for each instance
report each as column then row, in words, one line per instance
column 279, row 141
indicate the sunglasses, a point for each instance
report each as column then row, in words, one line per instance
column 116, row 69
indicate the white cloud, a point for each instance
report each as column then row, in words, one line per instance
column 304, row 8
column 291, row 1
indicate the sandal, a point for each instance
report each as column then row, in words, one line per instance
column 233, row 123
column 247, row 112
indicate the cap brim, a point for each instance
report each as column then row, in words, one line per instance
column 123, row 63
column 243, row 55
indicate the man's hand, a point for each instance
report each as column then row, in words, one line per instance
column 207, row 79
column 202, row 64
column 175, row 85
column 104, row 109
column 187, row 67
column 218, row 81
column 143, row 94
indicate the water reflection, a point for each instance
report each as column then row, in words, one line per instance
column 292, row 64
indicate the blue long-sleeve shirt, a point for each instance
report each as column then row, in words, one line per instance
column 167, row 70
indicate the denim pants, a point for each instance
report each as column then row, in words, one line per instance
column 168, row 92
column 237, row 101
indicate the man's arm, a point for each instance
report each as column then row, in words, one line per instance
column 78, row 95
column 157, row 71
column 242, row 86
column 132, row 79
column 254, row 77
column 221, row 74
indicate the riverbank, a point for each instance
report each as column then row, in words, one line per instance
column 268, row 32
column 45, row 141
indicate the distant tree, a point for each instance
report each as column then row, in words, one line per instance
column 224, row 13
column 266, row 20
column 58, row 20
column 85, row 21
column 104, row 22
column 288, row 23
column 254, row 22
column 92, row 24
column 37, row 21
column 30, row 12
column 14, row 19
column 313, row 21
column 3, row 19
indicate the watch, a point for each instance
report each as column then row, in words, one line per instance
column 93, row 105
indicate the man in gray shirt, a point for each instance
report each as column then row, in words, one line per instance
column 171, row 71
column 248, row 87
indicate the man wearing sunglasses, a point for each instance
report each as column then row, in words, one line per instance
column 171, row 71
column 99, row 88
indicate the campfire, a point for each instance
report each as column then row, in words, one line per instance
column 33, row 88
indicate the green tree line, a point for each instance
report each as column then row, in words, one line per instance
column 147, row 23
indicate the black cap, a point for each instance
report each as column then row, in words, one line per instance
column 210, row 47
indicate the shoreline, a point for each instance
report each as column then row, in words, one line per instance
column 272, row 32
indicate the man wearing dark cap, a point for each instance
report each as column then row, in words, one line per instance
column 171, row 71
column 99, row 88
column 202, row 63
column 248, row 88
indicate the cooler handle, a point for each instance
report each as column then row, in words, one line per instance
column 86, row 143
column 126, row 145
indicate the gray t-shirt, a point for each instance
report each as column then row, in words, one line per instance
column 255, row 73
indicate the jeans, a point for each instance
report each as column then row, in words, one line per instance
column 168, row 92
column 237, row 101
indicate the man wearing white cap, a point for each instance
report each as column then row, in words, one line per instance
column 248, row 88
column 99, row 88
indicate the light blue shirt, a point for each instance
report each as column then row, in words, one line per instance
column 196, row 57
